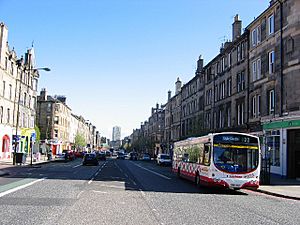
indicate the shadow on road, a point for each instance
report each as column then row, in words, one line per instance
column 116, row 174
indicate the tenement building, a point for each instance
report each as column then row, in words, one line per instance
column 274, row 54
column 18, row 91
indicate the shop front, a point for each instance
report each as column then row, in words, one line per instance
column 5, row 142
column 25, row 144
column 282, row 146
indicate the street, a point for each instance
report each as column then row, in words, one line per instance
column 129, row 192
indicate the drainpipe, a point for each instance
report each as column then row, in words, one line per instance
column 281, row 57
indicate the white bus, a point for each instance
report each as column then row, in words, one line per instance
column 229, row 159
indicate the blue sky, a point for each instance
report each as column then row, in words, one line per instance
column 115, row 59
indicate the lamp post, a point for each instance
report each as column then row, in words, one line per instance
column 18, row 105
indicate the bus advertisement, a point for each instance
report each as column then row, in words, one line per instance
column 229, row 159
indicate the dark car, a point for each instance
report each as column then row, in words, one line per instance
column 121, row 155
column 108, row 153
column 69, row 154
column 133, row 156
column 90, row 159
column 101, row 156
column 146, row 157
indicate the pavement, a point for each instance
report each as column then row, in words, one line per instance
column 8, row 163
column 280, row 187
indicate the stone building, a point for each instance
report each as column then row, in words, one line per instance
column 53, row 119
column 18, row 92
column 274, row 55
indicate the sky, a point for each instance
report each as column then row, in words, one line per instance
column 115, row 59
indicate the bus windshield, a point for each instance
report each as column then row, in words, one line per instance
column 235, row 156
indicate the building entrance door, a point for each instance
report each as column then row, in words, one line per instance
column 293, row 154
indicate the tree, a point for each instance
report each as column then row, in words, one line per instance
column 37, row 133
column 79, row 141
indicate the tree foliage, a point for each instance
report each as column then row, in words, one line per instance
column 37, row 133
column 80, row 141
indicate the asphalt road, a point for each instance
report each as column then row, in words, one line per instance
column 129, row 192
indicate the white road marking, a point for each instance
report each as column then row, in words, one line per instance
column 102, row 192
column 76, row 166
column 96, row 173
column 79, row 194
column 126, row 175
column 20, row 187
column 158, row 174
column 143, row 193
column 132, row 181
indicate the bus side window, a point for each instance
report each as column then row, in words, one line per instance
column 207, row 149
column 201, row 154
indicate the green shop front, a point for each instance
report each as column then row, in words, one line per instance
column 282, row 146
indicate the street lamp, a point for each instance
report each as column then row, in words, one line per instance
column 18, row 104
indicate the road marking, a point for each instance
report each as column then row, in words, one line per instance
column 96, row 173
column 132, row 181
column 79, row 194
column 126, row 175
column 143, row 193
column 20, row 187
column 76, row 166
column 102, row 192
column 158, row 174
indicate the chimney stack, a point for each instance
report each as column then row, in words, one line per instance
column 43, row 94
column 169, row 95
column 178, row 85
column 236, row 27
column 199, row 64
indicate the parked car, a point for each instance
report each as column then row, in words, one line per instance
column 163, row 159
column 133, row 156
column 90, row 159
column 69, row 154
column 121, row 155
column 146, row 157
column 108, row 153
column 101, row 155
column 60, row 157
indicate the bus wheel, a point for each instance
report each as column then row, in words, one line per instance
column 197, row 180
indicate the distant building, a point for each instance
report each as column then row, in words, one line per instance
column 116, row 135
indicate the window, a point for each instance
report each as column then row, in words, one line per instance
column 49, row 107
column 273, row 146
column 228, row 117
column 207, row 148
column 256, row 36
column 6, row 63
column 10, row 91
column 221, row 118
column 229, row 59
column 271, row 101
column 258, row 105
column 12, row 68
column 3, row 91
column 229, row 87
column 56, row 119
column 216, row 93
column 271, row 62
column 239, row 53
column 271, row 24
column 1, row 114
column 256, row 69
column 8, row 115
column 243, row 50
column 241, row 81
column 56, row 133
column 33, row 102
column 258, row 64
column 240, row 113
column 25, row 99
column 254, row 106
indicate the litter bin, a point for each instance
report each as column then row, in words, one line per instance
column 20, row 157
